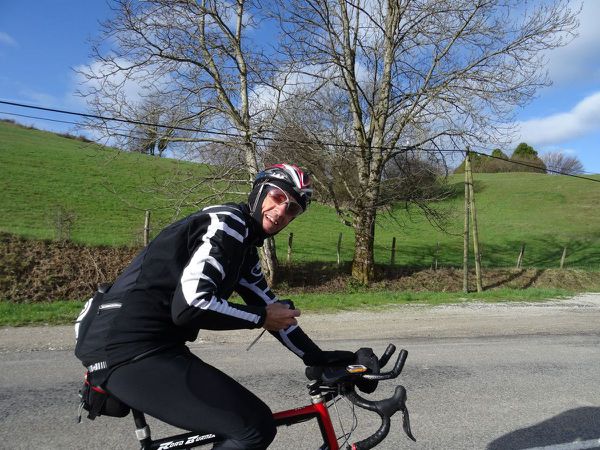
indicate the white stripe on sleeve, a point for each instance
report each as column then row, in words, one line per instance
column 194, row 272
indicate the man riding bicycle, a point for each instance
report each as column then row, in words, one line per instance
column 180, row 283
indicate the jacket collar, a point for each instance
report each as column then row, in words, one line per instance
column 256, row 235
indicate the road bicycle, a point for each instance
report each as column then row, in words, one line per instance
column 326, row 386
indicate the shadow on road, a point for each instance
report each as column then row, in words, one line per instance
column 580, row 424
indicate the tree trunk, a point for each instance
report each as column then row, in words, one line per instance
column 363, row 265
column 269, row 261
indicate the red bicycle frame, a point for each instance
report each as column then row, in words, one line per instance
column 318, row 410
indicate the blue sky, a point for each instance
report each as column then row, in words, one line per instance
column 42, row 41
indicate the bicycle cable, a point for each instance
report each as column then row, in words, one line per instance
column 344, row 434
column 354, row 426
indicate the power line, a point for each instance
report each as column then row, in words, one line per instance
column 130, row 133
column 195, row 130
column 265, row 138
column 133, row 132
column 116, row 119
column 38, row 118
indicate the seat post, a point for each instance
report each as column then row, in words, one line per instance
column 142, row 430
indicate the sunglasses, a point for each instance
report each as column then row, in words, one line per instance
column 280, row 197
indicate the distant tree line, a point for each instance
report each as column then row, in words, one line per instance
column 524, row 159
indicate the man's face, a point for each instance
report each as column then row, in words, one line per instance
column 278, row 210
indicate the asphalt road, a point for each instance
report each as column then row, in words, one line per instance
column 478, row 377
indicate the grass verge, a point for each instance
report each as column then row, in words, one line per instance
column 381, row 299
column 65, row 312
column 43, row 313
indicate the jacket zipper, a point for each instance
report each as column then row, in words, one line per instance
column 108, row 306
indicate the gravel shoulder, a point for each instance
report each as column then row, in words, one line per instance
column 580, row 315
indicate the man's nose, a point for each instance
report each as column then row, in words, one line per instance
column 281, row 209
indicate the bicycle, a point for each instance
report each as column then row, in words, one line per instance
column 328, row 384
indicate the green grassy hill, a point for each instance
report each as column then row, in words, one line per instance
column 544, row 212
column 46, row 177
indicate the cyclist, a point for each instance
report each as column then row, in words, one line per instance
column 180, row 283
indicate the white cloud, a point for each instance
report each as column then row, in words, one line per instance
column 6, row 39
column 580, row 59
column 134, row 87
column 583, row 119
column 36, row 97
column 264, row 97
column 129, row 87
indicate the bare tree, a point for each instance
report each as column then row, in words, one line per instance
column 155, row 128
column 191, row 53
column 426, row 74
column 560, row 162
column 318, row 138
column 199, row 58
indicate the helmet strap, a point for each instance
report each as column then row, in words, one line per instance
column 255, row 201
column 256, row 198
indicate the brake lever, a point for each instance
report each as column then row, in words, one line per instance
column 255, row 340
column 406, row 423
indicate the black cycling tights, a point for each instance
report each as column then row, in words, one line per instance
column 180, row 389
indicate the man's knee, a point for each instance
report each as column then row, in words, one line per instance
column 257, row 435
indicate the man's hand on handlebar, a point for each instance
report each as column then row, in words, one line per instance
column 366, row 357
column 337, row 360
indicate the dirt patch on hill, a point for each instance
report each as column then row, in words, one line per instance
column 33, row 271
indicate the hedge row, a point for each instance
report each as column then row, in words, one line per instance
column 34, row 271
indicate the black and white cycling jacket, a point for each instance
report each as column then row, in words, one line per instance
column 182, row 281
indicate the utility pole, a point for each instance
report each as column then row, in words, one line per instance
column 474, row 222
column 289, row 253
column 147, row 228
column 466, row 232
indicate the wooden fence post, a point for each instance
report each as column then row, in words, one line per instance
column 520, row 258
column 393, row 258
column 339, row 247
column 147, row 228
column 437, row 251
column 289, row 252
column 564, row 255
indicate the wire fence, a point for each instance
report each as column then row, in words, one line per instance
column 437, row 255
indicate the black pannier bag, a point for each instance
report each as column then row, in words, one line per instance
column 92, row 329
column 98, row 402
